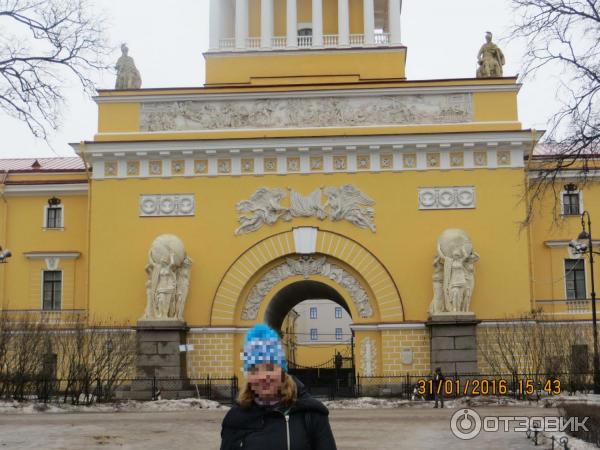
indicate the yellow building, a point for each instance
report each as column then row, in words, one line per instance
column 362, row 170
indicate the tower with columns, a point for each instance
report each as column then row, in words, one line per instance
column 256, row 31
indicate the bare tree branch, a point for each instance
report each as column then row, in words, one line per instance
column 564, row 34
column 43, row 46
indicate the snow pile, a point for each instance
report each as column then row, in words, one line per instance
column 13, row 407
column 573, row 443
column 482, row 401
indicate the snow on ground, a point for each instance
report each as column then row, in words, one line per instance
column 573, row 443
column 128, row 406
column 383, row 403
column 14, row 407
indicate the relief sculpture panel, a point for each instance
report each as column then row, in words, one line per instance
column 307, row 112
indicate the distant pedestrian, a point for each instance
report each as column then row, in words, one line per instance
column 439, row 382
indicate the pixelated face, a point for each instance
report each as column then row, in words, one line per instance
column 265, row 379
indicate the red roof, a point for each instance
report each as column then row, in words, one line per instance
column 67, row 164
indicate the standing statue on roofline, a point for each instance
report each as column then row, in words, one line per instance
column 490, row 59
column 128, row 76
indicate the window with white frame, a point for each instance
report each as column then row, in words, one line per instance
column 53, row 217
column 314, row 334
column 338, row 334
column 571, row 203
column 51, row 290
column 313, row 312
column 575, row 279
column 338, row 312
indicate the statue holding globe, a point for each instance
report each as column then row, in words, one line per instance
column 168, row 274
column 454, row 273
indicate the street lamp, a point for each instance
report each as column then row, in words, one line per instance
column 584, row 244
column 4, row 255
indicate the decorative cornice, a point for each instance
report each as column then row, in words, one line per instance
column 46, row 189
column 359, row 92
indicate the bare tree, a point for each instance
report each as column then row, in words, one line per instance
column 563, row 39
column 45, row 44
column 535, row 346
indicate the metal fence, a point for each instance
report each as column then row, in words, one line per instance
column 327, row 383
column 524, row 386
column 88, row 392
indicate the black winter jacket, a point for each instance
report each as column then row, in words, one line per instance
column 265, row 428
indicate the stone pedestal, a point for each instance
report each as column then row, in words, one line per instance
column 160, row 363
column 454, row 343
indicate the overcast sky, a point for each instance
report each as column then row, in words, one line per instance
column 167, row 38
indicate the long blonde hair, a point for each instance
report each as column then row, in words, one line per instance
column 288, row 391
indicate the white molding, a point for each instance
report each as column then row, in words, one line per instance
column 389, row 326
column 304, row 148
column 219, row 330
column 26, row 190
column 108, row 149
column 61, row 255
column 565, row 243
column 567, row 174
column 201, row 96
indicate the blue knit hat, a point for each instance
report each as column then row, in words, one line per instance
column 263, row 346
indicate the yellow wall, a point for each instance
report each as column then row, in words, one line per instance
column 408, row 259
column 254, row 18
column 356, row 17
column 549, row 225
column 330, row 17
column 26, row 234
column 231, row 69
column 318, row 354
column 304, row 11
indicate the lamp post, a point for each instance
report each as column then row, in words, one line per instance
column 584, row 242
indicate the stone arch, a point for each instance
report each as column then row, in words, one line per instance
column 258, row 259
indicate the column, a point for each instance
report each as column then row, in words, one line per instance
column 317, row 23
column 292, row 23
column 343, row 23
column 215, row 24
column 369, row 27
column 266, row 23
column 394, row 15
column 241, row 23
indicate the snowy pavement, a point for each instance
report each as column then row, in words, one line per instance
column 195, row 424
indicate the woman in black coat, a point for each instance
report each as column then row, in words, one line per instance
column 274, row 411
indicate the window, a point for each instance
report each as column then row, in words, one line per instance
column 54, row 217
column 51, row 291
column 314, row 334
column 571, row 202
column 313, row 312
column 575, row 279
column 338, row 312
column 338, row 334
